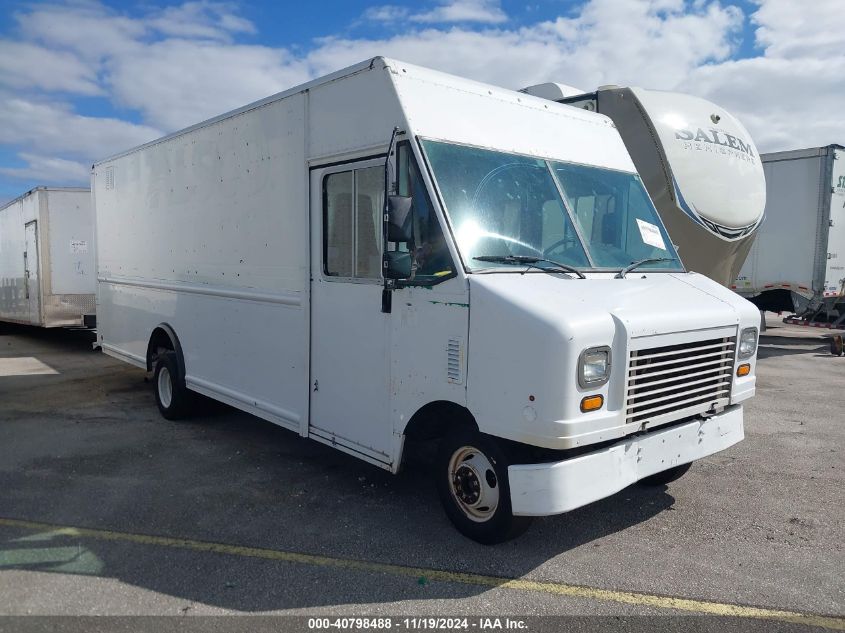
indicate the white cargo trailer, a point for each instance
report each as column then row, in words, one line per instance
column 798, row 261
column 698, row 163
column 391, row 253
column 47, row 275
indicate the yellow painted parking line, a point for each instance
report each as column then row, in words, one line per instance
column 556, row 588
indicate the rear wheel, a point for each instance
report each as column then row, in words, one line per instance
column 172, row 397
column 836, row 345
column 472, row 480
column 666, row 476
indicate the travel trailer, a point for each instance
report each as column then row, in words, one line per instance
column 698, row 163
column 390, row 254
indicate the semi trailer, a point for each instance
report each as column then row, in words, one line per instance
column 47, row 275
column 391, row 254
column 797, row 263
column 698, row 163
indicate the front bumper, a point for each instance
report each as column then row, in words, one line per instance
column 552, row 488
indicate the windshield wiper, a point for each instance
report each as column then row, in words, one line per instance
column 621, row 274
column 529, row 261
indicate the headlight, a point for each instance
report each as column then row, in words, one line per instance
column 594, row 367
column 748, row 342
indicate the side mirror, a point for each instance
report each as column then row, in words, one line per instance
column 397, row 265
column 399, row 219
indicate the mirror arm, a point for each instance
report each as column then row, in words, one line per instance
column 389, row 284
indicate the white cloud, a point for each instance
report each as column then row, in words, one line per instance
column 448, row 11
column 176, row 83
column 212, row 20
column 785, row 103
column 88, row 29
column 49, row 169
column 24, row 65
column 55, row 129
column 482, row 11
column 181, row 64
column 652, row 43
column 806, row 29
column 790, row 96
column 386, row 13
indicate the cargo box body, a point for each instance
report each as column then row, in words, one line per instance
column 47, row 275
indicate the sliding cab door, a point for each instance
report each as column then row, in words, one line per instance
column 350, row 382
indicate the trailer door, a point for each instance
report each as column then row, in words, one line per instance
column 30, row 272
column 349, row 333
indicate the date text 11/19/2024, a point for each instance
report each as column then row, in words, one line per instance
column 417, row 624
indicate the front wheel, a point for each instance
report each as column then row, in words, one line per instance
column 472, row 480
column 667, row 476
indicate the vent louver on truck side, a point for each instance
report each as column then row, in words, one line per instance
column 455, row 360
column 677, row 381
column 109, row 175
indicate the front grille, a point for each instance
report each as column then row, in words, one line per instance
column 675, row 381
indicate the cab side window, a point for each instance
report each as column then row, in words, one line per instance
column 352, row 203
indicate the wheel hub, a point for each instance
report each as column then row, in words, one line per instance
column 474, row 484
column 165, row 387
column 467, row 486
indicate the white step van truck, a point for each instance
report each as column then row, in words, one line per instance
column 47, row 275
column 389, row 254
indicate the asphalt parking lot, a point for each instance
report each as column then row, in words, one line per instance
column 106, row 508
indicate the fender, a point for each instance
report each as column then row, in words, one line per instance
column 164, row 329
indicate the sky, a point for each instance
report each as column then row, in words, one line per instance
column 83, row 79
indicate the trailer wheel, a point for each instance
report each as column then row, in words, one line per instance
column 472, row 480
column 172, row 397
column 666, row 476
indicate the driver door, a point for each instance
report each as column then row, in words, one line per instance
column 350, row 381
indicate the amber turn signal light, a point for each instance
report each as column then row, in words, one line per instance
column 743, row 370
column 591, row 403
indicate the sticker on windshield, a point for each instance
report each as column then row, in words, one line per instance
column 651, row 234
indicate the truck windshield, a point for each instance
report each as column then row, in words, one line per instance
column 503, row 204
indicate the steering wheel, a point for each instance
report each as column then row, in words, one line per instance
column 562, row 242
column 570, row 243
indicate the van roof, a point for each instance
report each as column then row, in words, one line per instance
column 9, row 203
column 398, row 68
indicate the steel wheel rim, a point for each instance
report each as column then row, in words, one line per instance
column 165, row 387
column 473, row 483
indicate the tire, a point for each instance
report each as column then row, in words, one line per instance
column 666, row 476
column 471, row 473
column 172, row 397
column 836, row 345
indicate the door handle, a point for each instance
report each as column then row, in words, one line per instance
column 25, row 276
